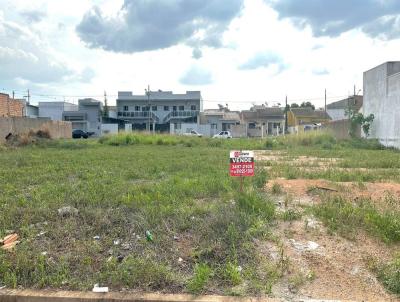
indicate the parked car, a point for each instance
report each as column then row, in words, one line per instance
column 79, row 134
column 193, row 133
column 223, row 134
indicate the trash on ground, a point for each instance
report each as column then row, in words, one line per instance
column 97, row 237
column 149, row 236
column 67, row 211
column 176, row 238
column 180, row 259
column 43, row 253
column 97, row 289
column 303, row 247
column 9, row 242
column 126, row 246
column 117, row 242
column 41, row 234
column 120, row 258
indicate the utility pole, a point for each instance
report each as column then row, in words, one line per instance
column 148, row 102
column 29, row 97
column 105, row 112
column 286, row 117
column 13, row 93
column 325, row 100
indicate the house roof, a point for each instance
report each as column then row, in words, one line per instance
column 309, row 112
column 355, row 102
column 264, row 113
column 231, row 116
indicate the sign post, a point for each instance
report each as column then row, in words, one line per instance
column 241, row 165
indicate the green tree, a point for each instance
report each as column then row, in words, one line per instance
column 307, row 105
column 358, row 119
column 294, row 105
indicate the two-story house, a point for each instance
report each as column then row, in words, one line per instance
column 87, row 117
column 157, row 110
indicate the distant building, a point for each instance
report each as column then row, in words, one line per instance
column 88, row 117
column 304, row 119
column 263, row 121
column 382, row 99
column 219, row 119
column 337, row 110
column 54, row 110
column 159, row 109
column 10, row 107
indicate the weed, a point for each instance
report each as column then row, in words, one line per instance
column 276, row 189
column 291, row 215
column 200, row 279
column 389, row 275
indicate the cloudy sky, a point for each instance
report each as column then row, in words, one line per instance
column 238, row 52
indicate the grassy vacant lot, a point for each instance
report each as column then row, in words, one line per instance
column 204, row 230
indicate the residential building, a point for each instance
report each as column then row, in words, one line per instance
column 262, row 121
column 29, row 110
column 382, row 99
column 10, row 107
column 221, row 119
column 306, row 118
column 54, row 110
column 337, row 110
column 159, row 109
column 88, row 117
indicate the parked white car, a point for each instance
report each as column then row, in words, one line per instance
column 193, row 133
column 223, row 134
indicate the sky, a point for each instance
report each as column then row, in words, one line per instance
column 236, row 52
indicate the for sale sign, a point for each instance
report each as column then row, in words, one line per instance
column 242, row 163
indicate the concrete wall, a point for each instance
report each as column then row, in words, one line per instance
column 21, row 125
column 109, row 129
column 340, row 129
column 382, row 99
column 187, row 127
column 239, row 130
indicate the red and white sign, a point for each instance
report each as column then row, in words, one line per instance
column 242, row 163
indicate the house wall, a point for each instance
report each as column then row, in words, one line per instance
column 21, row 125
column 382, row 98
column 337, row 114
column 160, row 112
column 93, row 116
column 54, row 110
column 10, row 107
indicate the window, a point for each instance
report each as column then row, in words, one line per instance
column 126, row 108
column 178, row 126
column 166, row 108
column 181, row 108
column 154, row 108
column 213, row 126
column 137, row 108
column 173, row 108
column 119, row 113
column 145, row 108
column 252, row 125
column 193, row 107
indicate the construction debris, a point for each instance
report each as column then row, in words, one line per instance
column 97, row 289
column 9, row 242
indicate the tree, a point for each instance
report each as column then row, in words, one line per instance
column 294, row 105
column 358, row 119
column 307, row 105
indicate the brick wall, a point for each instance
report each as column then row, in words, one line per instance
column 10, row 107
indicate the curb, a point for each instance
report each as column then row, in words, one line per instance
column 75, row 296
column 70, row 296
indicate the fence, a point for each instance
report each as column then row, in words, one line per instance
column 20, row 125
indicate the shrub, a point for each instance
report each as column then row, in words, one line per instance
column 202, row 274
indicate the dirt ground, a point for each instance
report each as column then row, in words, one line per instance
column 326, row 266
